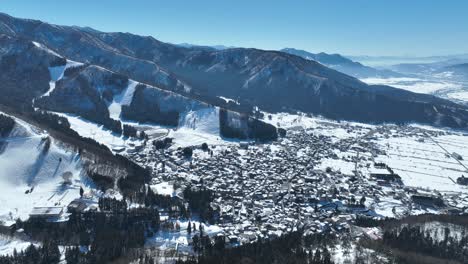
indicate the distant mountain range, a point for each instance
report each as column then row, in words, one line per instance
column 453, row 69
column 195, row 77
column 343, row 64
column 216, row 47
column 385, row 61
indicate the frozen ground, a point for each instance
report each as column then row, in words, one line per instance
column 31, row 172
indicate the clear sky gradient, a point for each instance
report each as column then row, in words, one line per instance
column 351, row 27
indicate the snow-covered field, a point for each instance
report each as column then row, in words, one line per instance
column 32, row 165
column 463, row 95
column 439, row 86
column 426, row 164
column 415, row 85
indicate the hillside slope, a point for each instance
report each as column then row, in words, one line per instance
column 344, row 65
column 33, row 166
column 274, row 81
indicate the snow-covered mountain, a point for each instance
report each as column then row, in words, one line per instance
column 271, row 80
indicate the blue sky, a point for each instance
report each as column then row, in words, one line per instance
column 351, row 27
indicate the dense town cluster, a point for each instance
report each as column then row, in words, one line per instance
column 266, row 190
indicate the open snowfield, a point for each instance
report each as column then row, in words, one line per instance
column 438, row 86
column 415, row 85
column 425, row 164
column 28, row 163
column 462, row 95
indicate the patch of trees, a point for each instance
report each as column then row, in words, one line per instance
column 6, row 125
column 162, row 144
column 48, row 253
column 72, row 71
column 61, row 124
column 22, row 80
column 109, row 234
column 227, row 130
column 204, row 147
column 199, row 200
column 281, row 132
column 174, row 206
column 261, row 131
column 415, row 239
column 136, row 175
column 246, row 127
column 102, row 181
column 143, row 110
column 366, row 221
column 112, row 205
column 289, row 248
column 129, row 131
column 187, row 152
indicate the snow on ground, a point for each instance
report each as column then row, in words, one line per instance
column 195, row 128
column 290, row 121
column 227, row 100
column 424, row 163
column 198, row 127
column 8, row 245
column 163, row 188
column 96, row 131
column 28, row 164
column 43, row 47
column 180, row 239
column 344, row 167
column 321, row 126
column 415, row 85
column 124, row 98
column 462, row 95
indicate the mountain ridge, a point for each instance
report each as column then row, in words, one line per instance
column 271, row 80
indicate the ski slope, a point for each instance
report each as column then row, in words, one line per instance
column 31, row 172
column 198, row 127
column 56, row 73
column 124, row 98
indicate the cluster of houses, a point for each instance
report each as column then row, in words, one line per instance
column 265, row 190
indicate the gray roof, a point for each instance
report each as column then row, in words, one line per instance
column 46, row 211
